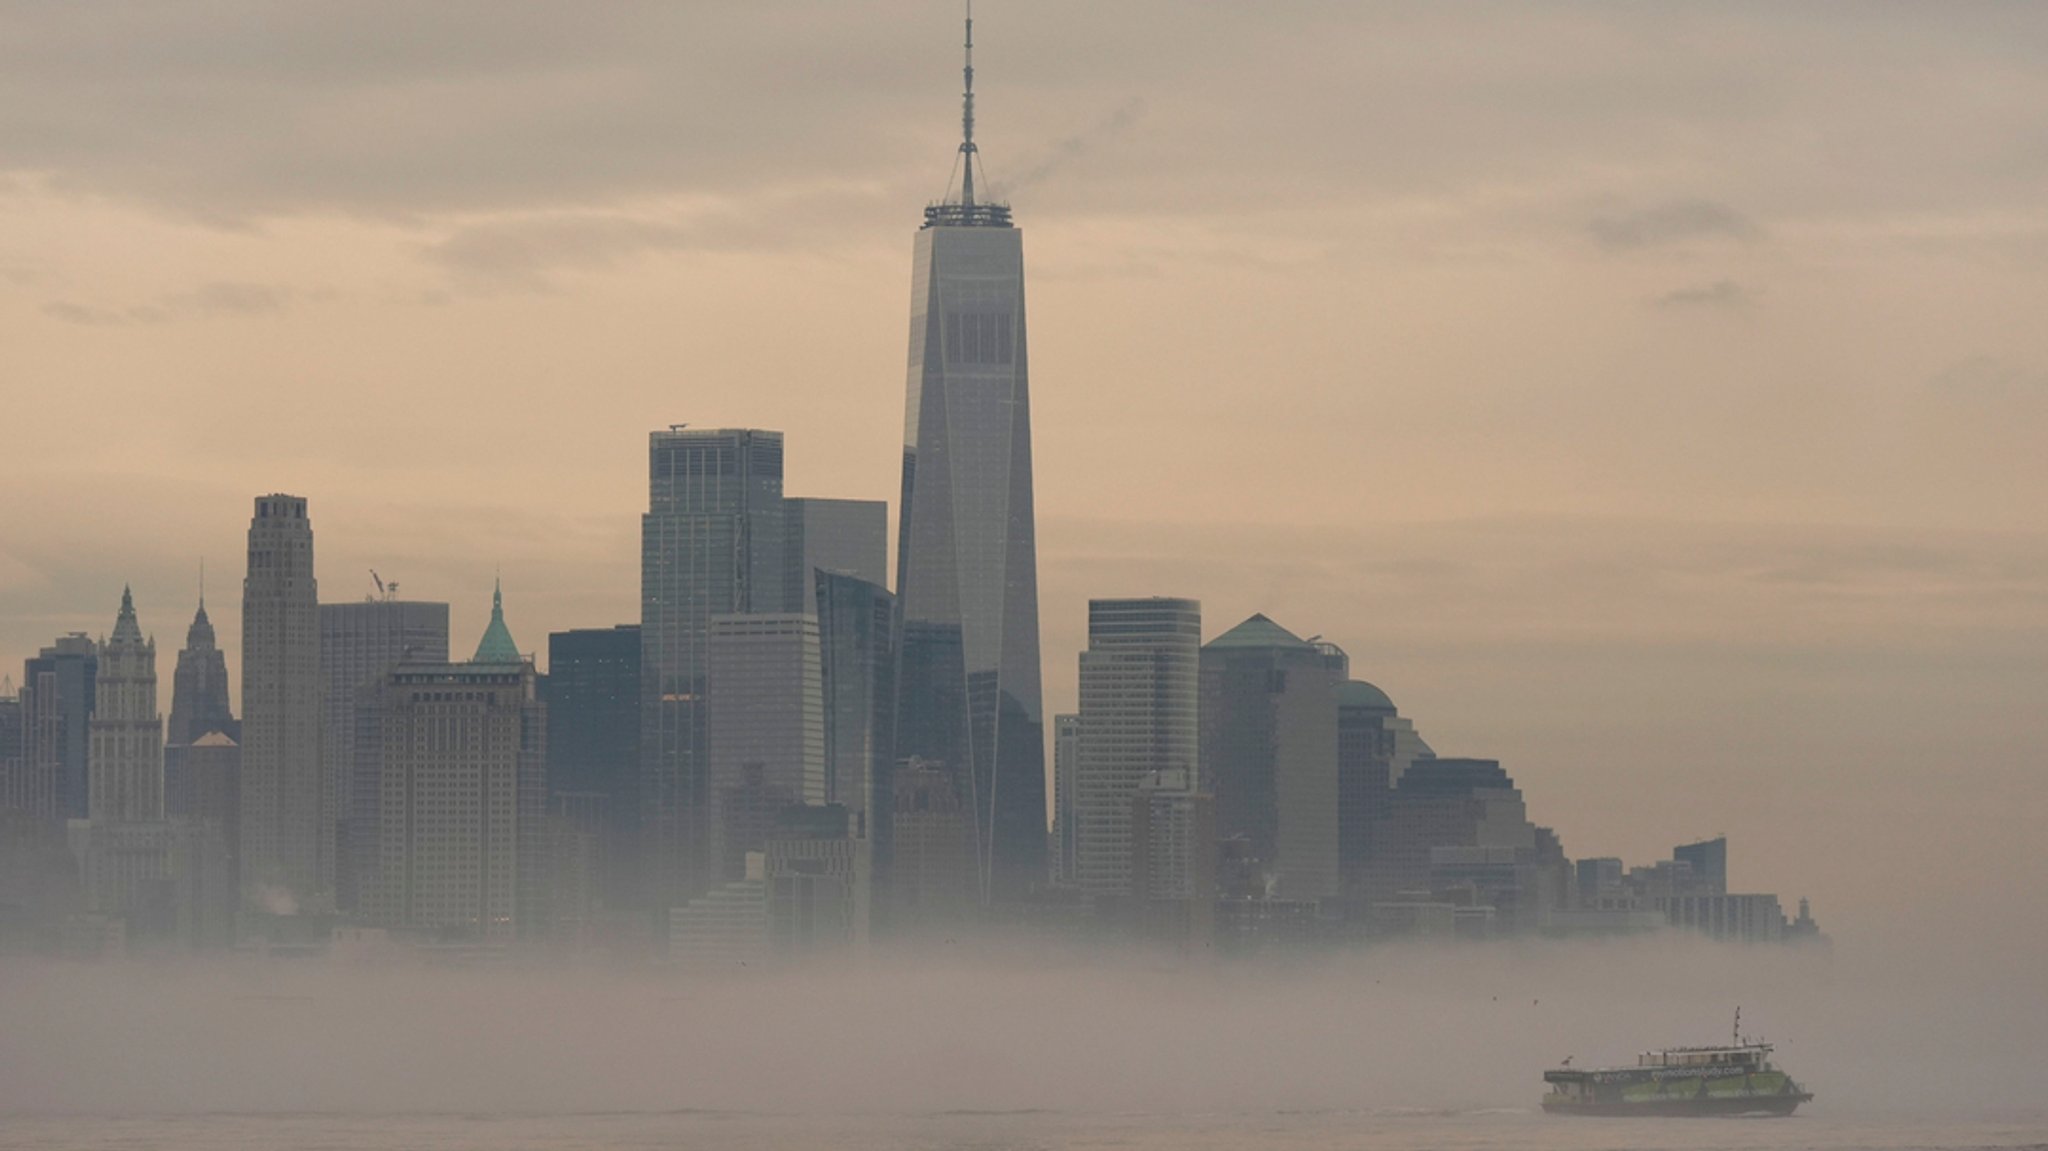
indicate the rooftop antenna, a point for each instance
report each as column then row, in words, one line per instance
column 967, row 149
column 202, row 583
column 379, row 580
column 1738, row 1025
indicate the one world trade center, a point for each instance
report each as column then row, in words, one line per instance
column 967, row 571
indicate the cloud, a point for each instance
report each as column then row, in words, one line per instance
column 1987, row 379
column 226, row 298
column 231, row 298
column 528, row 250
column 91, row 316
column 1671, row 223
column 1726, row 295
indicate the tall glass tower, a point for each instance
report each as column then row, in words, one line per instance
column 967, row 570
column 711, row 544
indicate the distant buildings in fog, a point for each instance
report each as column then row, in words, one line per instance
column 784, row 755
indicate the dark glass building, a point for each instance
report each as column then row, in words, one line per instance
column 58, row 692
column 967, row 569
column 857, row 648
column 592, row 692
column 712, row 543
column 199, row 688
column 1269, row 752
column 1709, row 861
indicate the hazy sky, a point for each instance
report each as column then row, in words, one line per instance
column 1651, row 396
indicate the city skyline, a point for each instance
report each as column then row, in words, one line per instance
column 1783, row 589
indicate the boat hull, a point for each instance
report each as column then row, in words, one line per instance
column 1699, row 1107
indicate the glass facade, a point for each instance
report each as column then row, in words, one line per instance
column 850, row 537
column 767, row 728
column 712, row 543
column 856, row 627
column 967, row 566
column 593, row 696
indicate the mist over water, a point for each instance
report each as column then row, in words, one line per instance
column 1395, row 1031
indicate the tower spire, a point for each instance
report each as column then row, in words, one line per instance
column 967, row 149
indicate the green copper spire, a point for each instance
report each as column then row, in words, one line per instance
column 497, row 645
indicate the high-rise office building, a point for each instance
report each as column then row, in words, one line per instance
column 13, row 741
column 593, row 697
column 359, row 645
column 57, row 689
column 1444, row 803
column 857, row 653
column 967, row 572
column 1375, row 746
column 124, row 848
column 849, row 537
column 1066, row 760
column 1269, row 752
column 199, row 697
column 127, row 731
column 459, row 755
column 819, row 886
column 766, row 715
column 199, row 687
column 1709, row 862
column 287, row 864
column 1173, row 853
column 931, row 883
column 1139, row 695
column 711, row 543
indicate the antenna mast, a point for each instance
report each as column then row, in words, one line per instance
column 967, row 148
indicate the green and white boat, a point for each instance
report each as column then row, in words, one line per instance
column 1737, row 1079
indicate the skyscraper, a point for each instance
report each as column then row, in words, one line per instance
column 593, row 697
column 1269, row 751
column 711, row 543
column 767, row 726
column 56, row 708
column 849, row 537
column 359, row 644
column 13, row 741
column 1709, row 861
column 1138, row 720
column 967, row 570
column 1066, row 760
column 287, row 865
column 857, row 654
column 1375, row 747
column 127, row 756
column 199, row 699
column 1443, row 803
column 124, row 849
column 199, row 687
column 459, row 754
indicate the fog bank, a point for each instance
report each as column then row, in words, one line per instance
column 1422, row 1027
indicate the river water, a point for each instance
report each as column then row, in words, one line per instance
column 1502, row 1129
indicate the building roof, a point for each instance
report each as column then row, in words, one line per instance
column 497, row 645
column 1257, row 632
column 1357, row 693
column 126, row 630
column 214, row 739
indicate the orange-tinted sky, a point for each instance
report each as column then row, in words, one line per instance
column 1652, row 396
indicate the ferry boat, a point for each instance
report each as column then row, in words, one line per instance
column 1738, row 1079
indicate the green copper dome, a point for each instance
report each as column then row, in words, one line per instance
column 1364, row 696
column 497, row 645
